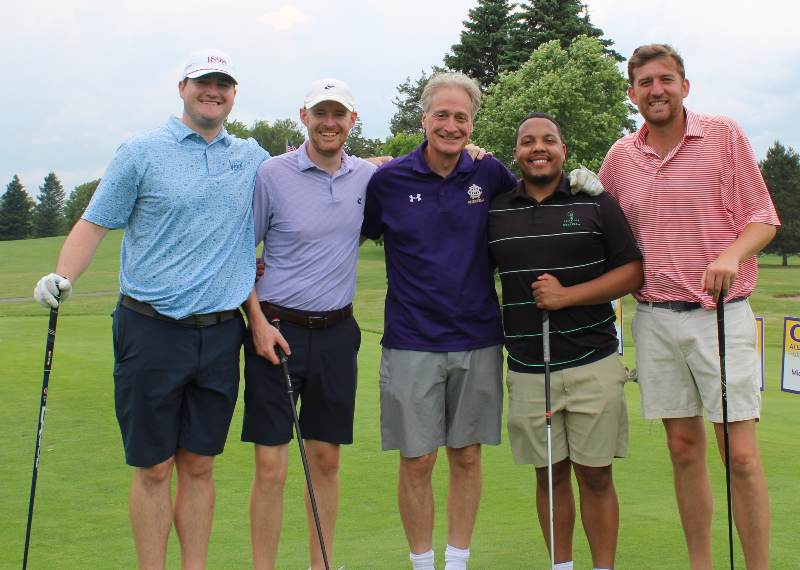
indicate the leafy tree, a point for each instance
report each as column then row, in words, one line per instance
column 48, row 214
column 581, row 87
column 78, row 201
column 543, row 21
column 408, row 118
column 357, row 145
column 15, row 212
column 483, row 42
column 237, row 129
column 402, row 143
column 271, row 138
column 781, row 172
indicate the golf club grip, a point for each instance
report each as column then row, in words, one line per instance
column 546, row 334
column 48, row 363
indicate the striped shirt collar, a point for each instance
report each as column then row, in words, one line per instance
column 694, row 129
column 519, row 193
column 181, row 131
column 304, row 162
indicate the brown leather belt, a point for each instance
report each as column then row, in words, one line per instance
column 199, row 321
column 310, row 321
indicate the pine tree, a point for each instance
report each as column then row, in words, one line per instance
column 78, row 201
column 544, row 20
column 48, row 215
column 781, row 172
column 15, row 212
column 408, row 118
column 482, row 42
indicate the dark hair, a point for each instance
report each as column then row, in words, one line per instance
column 644, row 54
column 538, row 116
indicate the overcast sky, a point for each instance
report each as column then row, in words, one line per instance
column 85, row 75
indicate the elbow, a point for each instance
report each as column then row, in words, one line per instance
column 636, row 281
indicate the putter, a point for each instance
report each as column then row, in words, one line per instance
column 48, row 361
column 276, row 322
column 548, row 415
column 724, row 379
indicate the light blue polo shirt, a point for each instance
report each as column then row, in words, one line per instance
column 310, row 223
column 186, row 208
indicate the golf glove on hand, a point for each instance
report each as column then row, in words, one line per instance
column 48, row 287
column 586, row 181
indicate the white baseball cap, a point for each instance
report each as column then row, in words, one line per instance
column 209, row 61
column 330, row 90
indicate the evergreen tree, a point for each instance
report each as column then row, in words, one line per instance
column 77, row 202
column 358, row 145
column 781, row 172
column 48, row 215
column 15, row 212
column 542, row 21
column 408, row 118
column 482, row 42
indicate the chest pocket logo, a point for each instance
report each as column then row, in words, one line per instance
column 236, row 165
column 571, row 220
column 474, row 192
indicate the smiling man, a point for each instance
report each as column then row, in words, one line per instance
column 183, row 194
column 698, row 206
column 572, row 255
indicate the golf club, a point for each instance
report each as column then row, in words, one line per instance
column 48, row 361
column 548, row 415
column 276, row 322
column 724, row 379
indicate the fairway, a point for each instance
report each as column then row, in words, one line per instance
column 81, row 516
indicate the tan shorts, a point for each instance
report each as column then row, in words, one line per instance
column 677, row 360
column 590, row 414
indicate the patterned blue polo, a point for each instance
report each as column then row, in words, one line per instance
column 441, row 295
column 186, row 207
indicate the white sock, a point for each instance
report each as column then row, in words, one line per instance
column 455, row 558
column 422, row 561
column 564, row 566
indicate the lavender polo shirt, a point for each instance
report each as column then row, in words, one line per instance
column 441, row 295
column 310, row 223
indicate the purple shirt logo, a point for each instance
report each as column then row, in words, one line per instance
column 418, row 197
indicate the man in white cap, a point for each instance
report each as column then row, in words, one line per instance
column 183, row 194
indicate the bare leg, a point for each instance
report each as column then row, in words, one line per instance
column 463, row 493
column 599, row 512
column 194, row 507
column 150, row 511
column 266, row 504
column 323, row 464
column 415, row 500
column 749, row 491
column 563, row 508
column 686, row 439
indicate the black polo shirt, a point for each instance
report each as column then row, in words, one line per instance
column 576, row 239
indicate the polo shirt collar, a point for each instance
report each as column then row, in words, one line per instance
column 180, row 131
column 694, row 129
column 518, row 193
column 419, row 164
column 304, row 161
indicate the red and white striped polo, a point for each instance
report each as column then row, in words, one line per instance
column 688, row 207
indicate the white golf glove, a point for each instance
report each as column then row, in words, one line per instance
column 48, row 287
column 586, row 181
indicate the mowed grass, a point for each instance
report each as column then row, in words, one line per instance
column 81, row 515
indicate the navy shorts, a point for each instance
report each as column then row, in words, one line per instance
column 324, row 371
column 174, row 385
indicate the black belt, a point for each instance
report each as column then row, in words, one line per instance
column 200, row 321
column 310, row 321
column 678, row 306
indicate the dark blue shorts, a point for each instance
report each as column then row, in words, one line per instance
column 174, row 385
column 324, row 371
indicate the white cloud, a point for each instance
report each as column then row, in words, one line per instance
column 286, row 17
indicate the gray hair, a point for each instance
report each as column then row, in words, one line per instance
column 446, row 79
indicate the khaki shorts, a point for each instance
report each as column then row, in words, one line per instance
column 590, row 414
column 431, row 399
column 677, row 360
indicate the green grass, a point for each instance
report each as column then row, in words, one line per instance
column 81, row 516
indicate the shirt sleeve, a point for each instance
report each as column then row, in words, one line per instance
column 618, row 241
column 506, row 181
column 115, row 197
column 372, row 226
column 746, row 196
column 606, row 176
column 262, row 211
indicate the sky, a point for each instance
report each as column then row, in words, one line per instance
column 89, row 74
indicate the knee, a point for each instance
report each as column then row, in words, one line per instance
column 562, row 474
column 195, row 466
column 467, row 458
column 418, row 468
column 327, row 463
column 686, row 448
column 270, row 467
column 595, row 479
column 745, row 463
column 154, row 476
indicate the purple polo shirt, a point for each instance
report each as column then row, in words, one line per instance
column 441, row 295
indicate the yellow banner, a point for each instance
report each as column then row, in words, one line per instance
column 617, row 306
column 790, row 378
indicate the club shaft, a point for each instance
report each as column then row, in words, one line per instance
column 726, row 440
column 285, row 366
column 48, row 362
column 548, row 416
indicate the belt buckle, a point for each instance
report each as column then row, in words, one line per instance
column 677, row 306
column 312, row 319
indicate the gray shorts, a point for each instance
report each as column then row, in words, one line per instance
column 431, row 399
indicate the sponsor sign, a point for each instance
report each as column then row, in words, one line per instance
column 790, row 378
column 617, row 306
